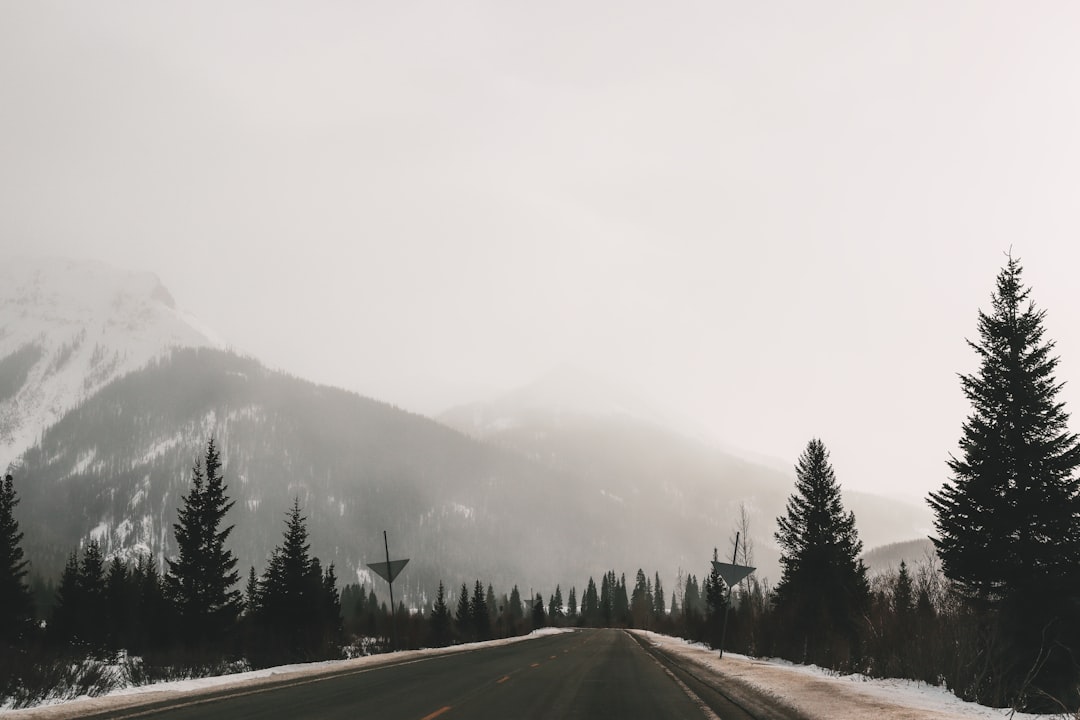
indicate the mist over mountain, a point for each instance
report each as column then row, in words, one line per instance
column 67, row 328
column 620, row 445
column 110, row 394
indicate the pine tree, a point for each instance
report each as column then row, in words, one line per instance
column 332, row 627
column 555, row 605
column 517, row 612
column 93, row 614
column 590, row 605
column 823, row 586
column 291, row 592
column 200, row 579
column 903, row 592
column 539, row 620
column 463, row 616
column 64, row 627
column 479, row 612
column 15, row 596
column 251, row 593
column 440, row 618
column 117, row 603
column 715, row 595
column 658, row 597
column 571, row 604
column 1008, row 520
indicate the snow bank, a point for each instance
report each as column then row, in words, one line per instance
column 158, row 692
column 819, row 693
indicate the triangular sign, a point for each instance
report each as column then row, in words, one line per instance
column 389, row 571
column 732, row 574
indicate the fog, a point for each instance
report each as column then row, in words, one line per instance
column 777, row 220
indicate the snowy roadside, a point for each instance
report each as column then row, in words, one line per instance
column 253, row 679
column 818, row 693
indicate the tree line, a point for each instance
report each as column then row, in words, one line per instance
column 994, row 615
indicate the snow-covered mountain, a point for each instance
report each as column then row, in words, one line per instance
column 67, row 328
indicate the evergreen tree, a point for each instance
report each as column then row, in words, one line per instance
column 691, row 598
column 571, row 604
column 517, row 612
column 823, row 586
column 620, row 600
column 117, row 603
column 492, row 605
column 479, row 612
column 293, row 602
column 440, row 618
column 539, row 620
column 15, row 600
column 64, row 626
column 1008, row 520
column 555, row 605
column 463, row 616
column 715, row 596
column 903, row 592
column 93, row 614
column 607, row 602
column 658, row 597
column 640, row 603
column 590, row 605
column 200, row 579
column 332, row 627
column 251, row 593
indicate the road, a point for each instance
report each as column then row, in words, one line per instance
column 584, row 674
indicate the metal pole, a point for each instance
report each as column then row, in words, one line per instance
column 393, row 608
column 727, row 609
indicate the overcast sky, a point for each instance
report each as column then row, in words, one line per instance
column 777, row 219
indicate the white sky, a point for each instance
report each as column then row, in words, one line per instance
column 778, row 219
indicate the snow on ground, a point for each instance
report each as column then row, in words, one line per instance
column 310, row 672
column 820, row 693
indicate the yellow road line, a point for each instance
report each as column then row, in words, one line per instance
column 503, row 679
column 436, row 714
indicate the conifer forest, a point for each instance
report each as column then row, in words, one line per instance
column 993, row 613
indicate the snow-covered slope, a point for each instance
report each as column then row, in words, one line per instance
column 69, row 327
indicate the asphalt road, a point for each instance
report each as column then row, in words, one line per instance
column 584, row 674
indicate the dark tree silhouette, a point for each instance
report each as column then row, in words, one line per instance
column 440, row 618
column 1008, row 520
column 200, row 579
column 15, row 599
column 823, row 587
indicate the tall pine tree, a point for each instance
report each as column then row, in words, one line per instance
column 823, row 587
column 440, row 618
column 201, row 578
column 1008, row 520
column 14, row 592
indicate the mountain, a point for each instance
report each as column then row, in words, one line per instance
column 115, row 467
column 108, row 395
column 684, row 488
column 887, row 558
column 67, row 329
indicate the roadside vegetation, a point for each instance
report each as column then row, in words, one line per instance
column 994, row 614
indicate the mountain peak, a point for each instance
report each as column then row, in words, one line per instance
column 68, row 327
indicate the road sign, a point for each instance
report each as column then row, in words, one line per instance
column 732, row 574
column 389, row 571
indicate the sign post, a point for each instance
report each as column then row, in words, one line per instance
column 731, row 574
column 388, row 571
